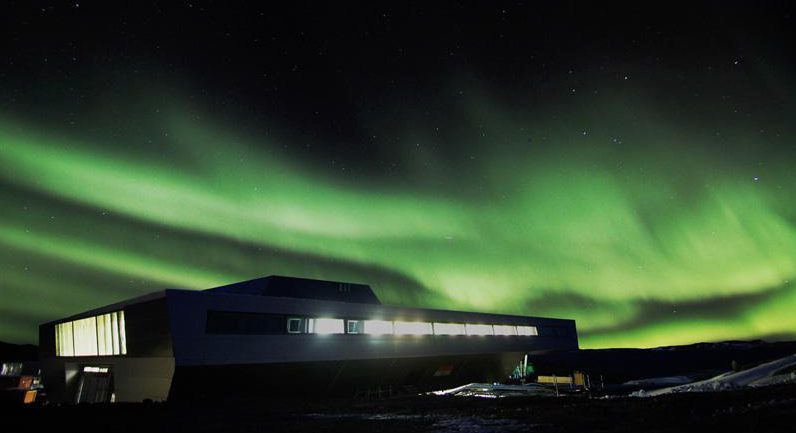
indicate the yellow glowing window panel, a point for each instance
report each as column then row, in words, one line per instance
column 377, row 327
column 505, row 329
column 57, row 342
column 64, row 340
column 104, row 335
column 122, row 334
column 115, row 332
column 30, row 397
column 478, row 329
column 326, row 326
column 68, row 339
column 527, row 330
column 413, row 328
column 449, row 329
column 85, row 331
column 111, row 334
column 101, row 335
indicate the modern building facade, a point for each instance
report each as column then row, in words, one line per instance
column 280, row 336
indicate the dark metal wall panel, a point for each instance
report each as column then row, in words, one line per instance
column 338, row 378
column 147, row 328
column 47, row 341
column 194, row 346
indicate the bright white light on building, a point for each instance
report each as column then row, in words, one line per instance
column 477, row 329
column 526, row 330
column 449, row 329
column 413, row 328
column 505, row 330
column 377, row 327
column 326, row 326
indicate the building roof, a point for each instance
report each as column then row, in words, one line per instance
column 305, row 288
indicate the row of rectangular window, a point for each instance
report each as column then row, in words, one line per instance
column 250, row 323
column 102, row 335
column 300, row 325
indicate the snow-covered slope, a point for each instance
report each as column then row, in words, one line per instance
column 496, row 390
column 779, row 371
column 658, row 382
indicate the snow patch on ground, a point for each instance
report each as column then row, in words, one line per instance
column 779, row 371
column 496, row 390
column 658, row 382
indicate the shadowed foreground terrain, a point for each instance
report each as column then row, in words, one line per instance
column 770, row 409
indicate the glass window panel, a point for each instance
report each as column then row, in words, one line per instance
column 67, row 339
column 58, row 340
column 413, row 328
column 478, row 329
column 354, row 326
column 115, row 333
column 99, row 335
column 122, row 334
column 449, row 329
column 326, row 326
column 527, row 330
column 85, row 331
column 505, row 330
column 101, row 346
column 108, row 334
column 377, row 327
column 294, row 325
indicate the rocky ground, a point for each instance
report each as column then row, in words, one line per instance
column 770, row 409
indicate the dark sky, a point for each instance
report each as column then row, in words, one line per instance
column 626, row 165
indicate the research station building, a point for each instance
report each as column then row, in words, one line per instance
column 280, row 337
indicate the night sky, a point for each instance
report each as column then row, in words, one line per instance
column 631, row 166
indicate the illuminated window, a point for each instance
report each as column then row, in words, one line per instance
column 526, row 330
column 477, row 329
column 449, row 329
column 105, row 334
column 353, row 326
column 11, row 369
column 377, row 327
column 64, row 339
column 101, row 335
column 413, row 328
column 85, row 331
column 115, row 332
column 326, row 326
column 122, row 334
column 505, row 330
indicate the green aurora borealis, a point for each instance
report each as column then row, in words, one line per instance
column 552, row 235
column 647, row 222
